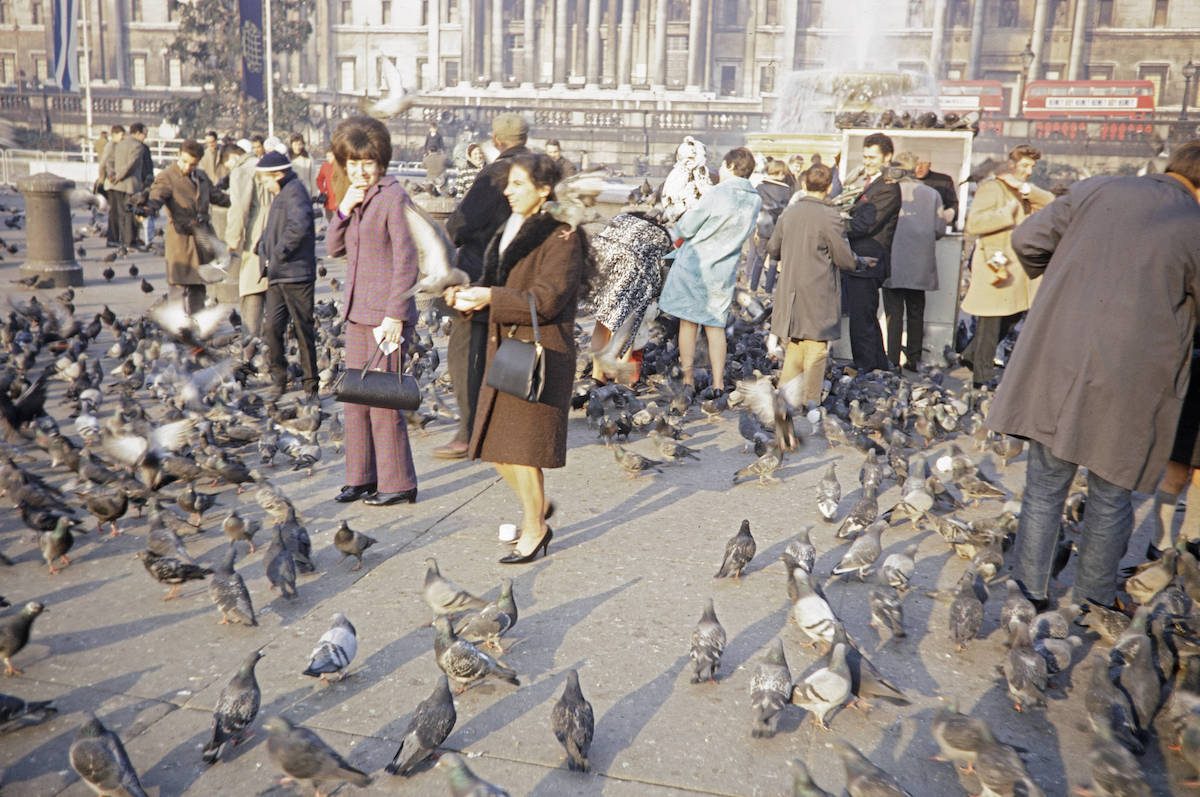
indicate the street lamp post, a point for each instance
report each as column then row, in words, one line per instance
column 1189, row 74
column 1027, row 57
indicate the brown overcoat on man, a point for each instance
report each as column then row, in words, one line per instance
column 188, row 200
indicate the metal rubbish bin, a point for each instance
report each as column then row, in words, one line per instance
column 49, row 237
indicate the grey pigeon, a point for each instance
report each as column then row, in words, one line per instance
column 887, row 611
column 281, row 567
column 864, row 779
column 708, row 643
column 1108, row 705
column 764, row 468
column 1115, row 771
column 1017, row 609
column 17, row 713
column 443, row 595
column 302, row 755
column 770, row 691
column 228, row 591
column 1055, row 623
column 829, row 494
column 802, row 783
column 98, row 757
column 464, row 782
column 1025, row 672
column 464, row 663
column 431, row 723
column 860, row 558
column 634, row 463
column 802, row 550
column 169, row 570
column 296, row 538
column 1058, row 653
column 236, row 709
column 863, row 514
column 491, row 622
column 826, row 689
column 738, row 552
column 1136, row 676
column 334, row 651
column 56, row 542
column 810, row 610
column 1001, row 772
column 351, row 543
column 238, row 529
column 897, row 569
column 573, row 723
column 866, row 681
column 958, row 736
column 966, row 613
column 14, row 634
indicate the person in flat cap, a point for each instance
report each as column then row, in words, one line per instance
column 481, row 213
column 249, row 202
column 288, row 260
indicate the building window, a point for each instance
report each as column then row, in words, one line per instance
column 139, row 71
column 766, row 78
column 1100, row 72
column 731, row 14
column 35, row 12
column 39, row 69
column 1104, row 13
column 424, row 13
column 422, row 82
column 770, row 12
column 346, row 12
column 815, row 18
column 174, row 73
column 1055, row 71
column 135, row 11
column 451, row 70
column 451, row 15
column 1160, row 13
column 8, row 68
column 1009, row 14
column 6, row 12
column 960, row 14
column 385, row 12
column 678, row 11
column 916, row 14
column 346, row 75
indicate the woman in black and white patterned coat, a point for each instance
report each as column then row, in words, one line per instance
column 629, row 252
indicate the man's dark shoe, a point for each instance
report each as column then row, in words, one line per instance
column 452, row 450
column 352, row 492
column 388, row 499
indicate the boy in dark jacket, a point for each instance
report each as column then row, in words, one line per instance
column 288, row 260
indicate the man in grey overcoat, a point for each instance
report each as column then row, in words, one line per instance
column 1099, row 373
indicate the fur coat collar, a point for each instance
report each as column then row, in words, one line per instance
column 533, row 232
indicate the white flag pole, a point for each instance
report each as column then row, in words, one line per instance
column 86, row 76
column 269, row 67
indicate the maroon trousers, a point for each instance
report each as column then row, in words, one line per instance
column 377, row 450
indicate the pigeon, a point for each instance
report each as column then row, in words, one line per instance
column 302, row 755
column 773, row 408
column 770, row 691
column 334, row 651
column 169, row 570
column 802, row 783
column 866, row 681
column 966, row 613
column 573, row 723
column 351, row 543
column 431, row 723
column 738, row 553
column 1017, row 609
column 634, row 463
column 146, row 287
column 195, row 504
column 238, row 529
column 810, row 610
column 443, row 595
column 398, row 100
column 1025, row 672
column 1058, row 653
column 464, row 782
column 764, row 467
column 1055, row 623
column 897, row 569
column 1110, row 624
column 826, row 689
column 864, row 779
column 16, row 713
column 281, row 567
column 708, row 643
column 1001, row 772
column 862, row 554
column 864, row 513
column 464, row 663
column 228, row 591
column 1107, row 705
column 1115, row 771
column 959, row 736
column 236, row 709
column 98, row 757
column 887, row 611
column 56, row 543
column 491, row 622
column 802, row 551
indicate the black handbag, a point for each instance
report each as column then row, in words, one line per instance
column 519, row 367
column 384, row 389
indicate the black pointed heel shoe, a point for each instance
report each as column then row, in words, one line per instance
column 543, row 548
column 389, row 499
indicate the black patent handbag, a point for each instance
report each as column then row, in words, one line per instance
column 519, row 367
column 384, row 389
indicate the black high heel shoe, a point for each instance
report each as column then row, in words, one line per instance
column 543, row 548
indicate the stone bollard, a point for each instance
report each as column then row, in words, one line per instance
column 49, row 236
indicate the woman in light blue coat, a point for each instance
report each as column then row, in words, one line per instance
column 699, row 287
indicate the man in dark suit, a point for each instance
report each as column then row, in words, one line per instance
column 872, row 225
column 942, row 183
column 482, row 211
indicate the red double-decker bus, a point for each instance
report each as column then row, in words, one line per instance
column 1064, row 108
column 963, row 96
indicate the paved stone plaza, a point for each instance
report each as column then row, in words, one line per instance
column 628, row 573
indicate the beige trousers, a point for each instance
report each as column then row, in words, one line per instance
column 807, row 357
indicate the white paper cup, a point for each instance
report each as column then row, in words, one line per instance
column 508, row 532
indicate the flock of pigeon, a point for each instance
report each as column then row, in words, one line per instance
column 168, row 408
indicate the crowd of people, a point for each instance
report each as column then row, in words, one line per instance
column 1113, row 260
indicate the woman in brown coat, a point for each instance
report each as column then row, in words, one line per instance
column 532, row 255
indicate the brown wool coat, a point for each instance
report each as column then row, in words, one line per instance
column 546, row 259
column 188, row 206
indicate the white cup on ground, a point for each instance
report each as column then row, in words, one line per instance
column 508, row 532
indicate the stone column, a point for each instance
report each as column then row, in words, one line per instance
column 49, row 239
column 659, row 79
column 497, row 39
column 625, row 56
column 530, row 39
column 938, row 44
column 976, row 50
column 1038, row 42
column 561, row 40
column 433, row 66
column 579, row 64
column 466, row 67
column 593, row 43
column 787, row 50
column 1080, row 19
column 695, row 68
column 123, row 63
column 749, row 72
column 641, row 62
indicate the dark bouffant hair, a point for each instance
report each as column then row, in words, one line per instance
column 740, row 161
column 818, row 178
column 361, row 138
column 1185, row 161
column 884, row 142
column 193, row 148
column 541, row 168
column 1025, row 151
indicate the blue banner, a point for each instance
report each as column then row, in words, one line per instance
column 251, row 12
column 66, row 43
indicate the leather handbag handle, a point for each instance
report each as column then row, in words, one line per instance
column 537, row 332
column 378, row 357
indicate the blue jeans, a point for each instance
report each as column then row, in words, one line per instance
column 1107, row 526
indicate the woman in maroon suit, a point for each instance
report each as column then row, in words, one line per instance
column 531, row 255
column 369, row 228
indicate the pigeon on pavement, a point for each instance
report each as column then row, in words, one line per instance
column 1025, row 672
column 770, row 691
column 351, row 543
column 802, row 550
column 959, row 736
column 493, row 621
column 228, row 591
column 169, row 570
column 443, row 595
column 738, row 552
column 708, row 643
column 826, row 689
column 860, row 558
column 302, row 755
column 802, row 783
column 464, row 782
column 98, row 757
column 864, row 779
column 281, row 566
column 464, row 663
column 431, row 723
column 334, row 651
column 966, row 613
column 810, row 610
column 14, row 634
column 573, row 723
column 236, row 709
column 17, row 713
column 829, row 494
